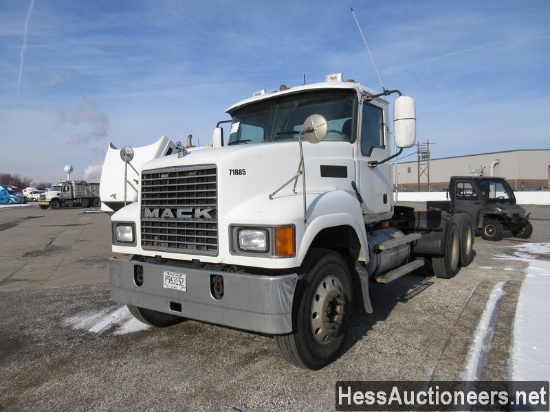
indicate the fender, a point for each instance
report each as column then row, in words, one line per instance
column 338, row 208
column 331, row 209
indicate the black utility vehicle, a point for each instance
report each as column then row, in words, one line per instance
column 491, row 203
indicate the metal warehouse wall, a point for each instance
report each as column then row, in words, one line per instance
column 524, row 169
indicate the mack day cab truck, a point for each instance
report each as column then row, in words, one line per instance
column 71, row 193
column 280, row 230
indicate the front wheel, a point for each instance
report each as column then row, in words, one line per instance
column 321, row 312
column 55, row 204
column 154, row 318
column 525, row 232
column 492, row 230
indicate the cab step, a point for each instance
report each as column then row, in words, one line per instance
column 400, row 271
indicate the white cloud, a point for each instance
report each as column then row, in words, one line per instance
column 93, row 172
column 89, row 115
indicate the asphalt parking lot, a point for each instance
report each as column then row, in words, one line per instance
column 64, row 345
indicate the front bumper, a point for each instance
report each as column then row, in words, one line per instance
column 516, row 222
column 251, row 302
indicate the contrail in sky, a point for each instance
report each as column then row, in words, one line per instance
column 22, row 54
column 520, row 38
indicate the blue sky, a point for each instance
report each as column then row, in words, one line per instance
column 76, row 75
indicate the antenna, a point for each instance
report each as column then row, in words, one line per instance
column 368, row 50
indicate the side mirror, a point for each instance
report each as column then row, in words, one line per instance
column 404, row 122
column 315, row 128
column 217, row 137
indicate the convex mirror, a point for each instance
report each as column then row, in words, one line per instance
column 315, row 128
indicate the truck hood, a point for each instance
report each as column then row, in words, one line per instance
column 268, row 159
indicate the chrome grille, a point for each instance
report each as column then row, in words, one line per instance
column 179, row 210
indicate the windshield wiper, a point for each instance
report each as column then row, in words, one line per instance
column 291, row 132
column 239, row 142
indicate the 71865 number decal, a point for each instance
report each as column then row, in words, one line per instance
column 237, row 172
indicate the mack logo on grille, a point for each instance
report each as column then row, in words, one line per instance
column 179, row 213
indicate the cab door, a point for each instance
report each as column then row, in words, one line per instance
column 374, row 181
column 66, row 192
column 468, row 198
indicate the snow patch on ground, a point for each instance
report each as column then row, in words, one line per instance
column 531, row 329
column 531, row 345
column 483, row 335
column 6, row 207
column 116, row 319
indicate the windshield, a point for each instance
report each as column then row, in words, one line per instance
column 57, row 188
column 497, row 191
column 281, row 119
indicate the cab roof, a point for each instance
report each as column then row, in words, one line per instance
column 327, row 85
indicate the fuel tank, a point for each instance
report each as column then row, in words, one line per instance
column 382, row 258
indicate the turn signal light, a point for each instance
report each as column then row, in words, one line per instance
column 285, row 244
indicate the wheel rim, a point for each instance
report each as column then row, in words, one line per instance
column 490, row 230
column 327, row 309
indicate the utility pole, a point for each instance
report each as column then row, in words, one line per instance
column 423, row 150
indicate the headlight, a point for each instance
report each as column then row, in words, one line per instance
column 277, row 241
column 124, row 233
column 253, row 240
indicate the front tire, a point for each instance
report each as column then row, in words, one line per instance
column 55, row 204
column 154, row 318
column 525, row 232
column 492, row 230
column 321, row 312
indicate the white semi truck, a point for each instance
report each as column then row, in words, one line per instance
column 280, row 229
column 71, row 193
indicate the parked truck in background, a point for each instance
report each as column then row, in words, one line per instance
column 11, row 195
column 491, row 203
column 280, row 229
column 67, row 193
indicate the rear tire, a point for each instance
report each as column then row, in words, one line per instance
column 154, row 318
column 492, row 230
column 85, row 203
column 525, row 232
column 447, row 265
column 96, row 202
column 321, row 313
column 467, row 238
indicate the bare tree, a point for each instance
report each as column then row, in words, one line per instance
column 15, row 180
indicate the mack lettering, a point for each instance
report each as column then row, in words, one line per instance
column 179, row 213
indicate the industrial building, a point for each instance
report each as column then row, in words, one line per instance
column 524, row 170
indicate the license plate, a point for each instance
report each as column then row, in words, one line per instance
column 173, row 280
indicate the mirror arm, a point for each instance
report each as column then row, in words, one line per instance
column 218, row 126
column 385, row 93
column 375, row 163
